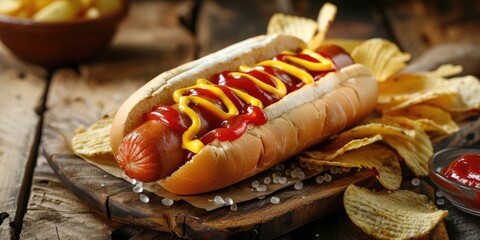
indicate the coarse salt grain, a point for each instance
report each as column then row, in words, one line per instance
column 261, row 188
column 283, row 180
column 334, row 170
column 294, row 174
column 327, row 177
column 438, row 194
column 134, row 181
column 144, row 198
column 298, row 185
column 288, row 172
column 276, row 179
column 255, row 184
column 167, row 202
column 301, row 175
column 218, row 200
column 234, row 207
column 228, row 201
column 102, row 184
column 319, row 179
column 261, row 197
column 416, row 182
column 440, row 202
column 138, row 189
column 277, row 174
column 275, row 200
column 267, row 180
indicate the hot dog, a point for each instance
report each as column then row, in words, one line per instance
column 230, row 115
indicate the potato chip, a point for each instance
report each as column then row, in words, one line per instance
column 400, row 214
column 403, row 90
column 467, row 99
column 10, row 7
column 347, row 44
column 339, row 146
column 412, row 145
column 300, row 27
column 429, row 118
column 374, row 156
column 446, row 70
column 381, row 57
column 95, row 140
column 325, row 18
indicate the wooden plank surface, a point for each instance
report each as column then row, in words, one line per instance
column 151, row 40
column 21, row 99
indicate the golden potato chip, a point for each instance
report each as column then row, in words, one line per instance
column 347, row 44
column 10, row 7
column 374, row 156
column 95, row 140
column 413, row 145
column 427, row 117
column 300, row 27
column 325, row 18
column 400, row 214
column 446, row 70
column 403, row 90
column 467, row 99
column 381, row 57
column 339, row 146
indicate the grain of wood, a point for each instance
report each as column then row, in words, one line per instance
column 149, row 42
column 20, row 96
column 56, row 213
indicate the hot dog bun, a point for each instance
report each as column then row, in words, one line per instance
column 301, row 119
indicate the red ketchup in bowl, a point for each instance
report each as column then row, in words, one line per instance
column 465, row 170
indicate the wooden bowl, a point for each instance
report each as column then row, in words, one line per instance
column 56, row 44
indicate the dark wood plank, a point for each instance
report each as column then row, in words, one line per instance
column 150, row 41
column 222, row 23
column 419, row 25
column 21, row 96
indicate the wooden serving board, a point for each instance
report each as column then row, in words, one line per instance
column 255, row 219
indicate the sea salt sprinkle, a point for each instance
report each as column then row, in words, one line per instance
column 334, row 170
column 298, row 185
column 327, row 177
column 167, row 201
column 439, row 194
column 283, row 180
column 319, row 179
column 218, row 200
column 228, row 201
column 138, row 188
column 261, row 188
column 275, row 200
column 144, row 198
column 234, row 207
column 416, row 182
column 255, row 184
column 440, row 202
column 267, row 180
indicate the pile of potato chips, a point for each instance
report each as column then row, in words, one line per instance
column 413, row 109
column 58, row 10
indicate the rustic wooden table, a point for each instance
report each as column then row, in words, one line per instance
column 159, row 35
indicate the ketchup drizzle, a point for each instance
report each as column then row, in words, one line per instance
column 233, row 128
